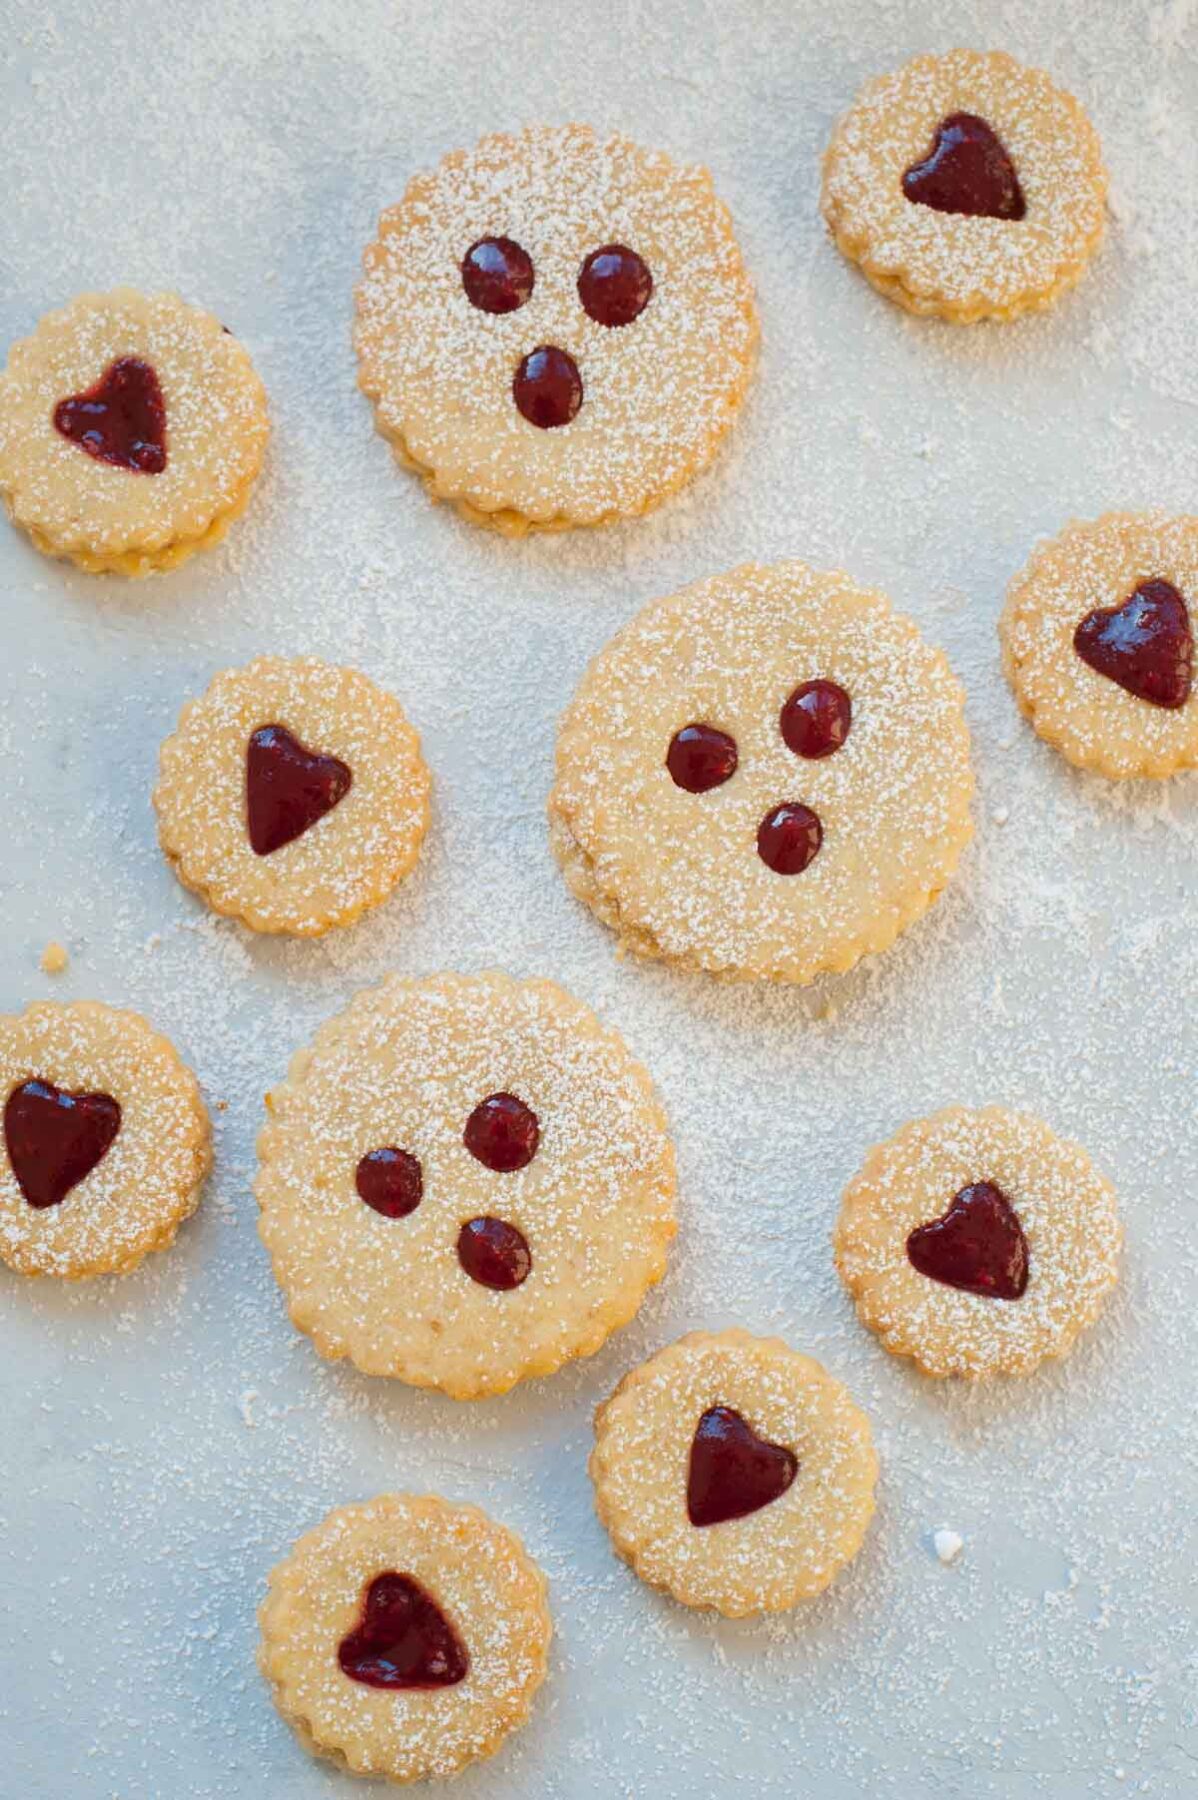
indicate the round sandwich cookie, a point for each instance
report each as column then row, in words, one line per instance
column 978, row 1242
column 555, row 328
column 292, row 795
column 405, row 1637
column 105, row 1143
column 132, row 430
column 734, row 1473
column 765, row 775
column 465, row 1181
column 1098, row 643
column 966, row 186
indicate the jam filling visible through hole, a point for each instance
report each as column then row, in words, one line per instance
column 547, row 387
column 121, row 420
column 55, row 1138
column 1146, row 645
column 701, row 758
column 816, row 719
column 402, row 1639
column 494, row 1253
column 967, row 170
column 789, row 838
column 288, row 788
column 390, row 1181
column 977, row 1245
column 733, row 1471
column 614, row 285
column 502, row 1133
column 497, row 275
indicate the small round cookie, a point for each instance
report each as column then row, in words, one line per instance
column 556, row 329
column 293, row 795
column 764, row 775
column 978, row 1242
column 132, row 429
column 466, row 1180
column 105, row 1142
column 966, row 186
column 734, row 1473
column 1098, row 643
column 405, row 1637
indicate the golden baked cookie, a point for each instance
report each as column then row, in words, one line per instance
column 978, row 1242
column 764, row 775
column 1098, row 643
column 734, row 1473
column 105, row 1142
column 292, row 795
column 555, row 328
column 466, row 1180
column 967, row 186
column 405, row 1637
column 132, row 429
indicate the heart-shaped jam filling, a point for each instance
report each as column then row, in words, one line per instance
column 614, row 285
column 55, row 1138
column 700, row 758
column 967, row 170
column 403, row 1639
column 733, row 1471
column 977, row 1245
column 494, row 1253
column 122, row 420
column 547, row 387
column 816, row 719
column 1146, row 645
column 503, row 1133
column 789, row 838
column 497, row 275
column 288, row 788
column 390, row 1181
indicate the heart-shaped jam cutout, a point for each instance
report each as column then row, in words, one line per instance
column 977, row 1245
column 403, row 1639
column 503, row 1133
column 288, row 788
column 122, row 420
column 390, row 1181
column 700, row 758
column 733, row 1471
column 55, row 1138
column 494, row 1254
column 1146, row 645
column 967, row 170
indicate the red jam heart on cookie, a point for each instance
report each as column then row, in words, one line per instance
column 403, row 1639
column 122, row 420
column 816, row 719
column 55, row 1138
column 497, row 275
column 547, row 387
column 968, row 170
column 789, row 838
column 614, row 285
column 288, row 788
column 977, row 1245
column 733, row 1471
column 494, row 1253
column 701, row 758
column 502, row 1133
column 390, row 1181
column 1146, row 645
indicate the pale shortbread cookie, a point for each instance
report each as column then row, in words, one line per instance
column 1065, row 1264
column 105, row 1140
column 578, row 1224
column 678, row 874
column 788, row 1549
column 958, row 265
column 218, row 774
column 485, row 1646
column 657, row 393
column 197, row 475
column 1089, row 715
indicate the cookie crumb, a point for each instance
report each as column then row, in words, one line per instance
column 948, row 1545
column 1000, row 815
column 55, row 958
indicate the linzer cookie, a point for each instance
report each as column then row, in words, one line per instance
column 105, row 1140
column 465, row 1181
column 978, row 1243
column 734, row 1473
column 967, row 186
column 292, row 795
column 765, row 775
column 132, row 428
column 405, row 1637
column 1098, row 643
column 555, row 328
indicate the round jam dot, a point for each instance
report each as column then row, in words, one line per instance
column 614, row 285
column 497, row 275
column 494, row 1253
column 390, row 1181
column 815, row 720
column 547, row 387
column 789, row 838
column 700, row 758
column 502, row 1133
